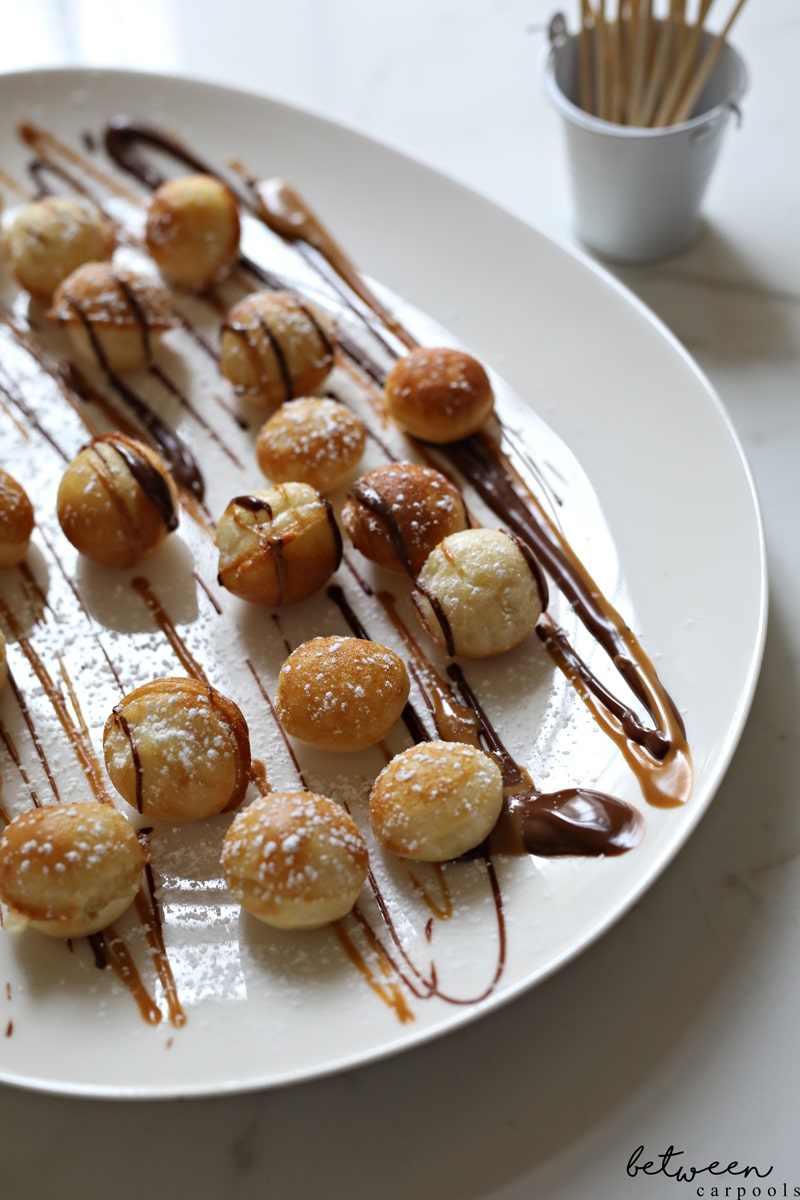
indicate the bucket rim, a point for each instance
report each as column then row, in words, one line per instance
column 588, row 121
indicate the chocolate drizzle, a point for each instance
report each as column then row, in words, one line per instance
column 124, row 725
column 121, row 137
column 659, row 756
column 364, row 493
column 176, row 453
column 148, row 476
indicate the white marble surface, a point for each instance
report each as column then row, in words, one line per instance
column 680, row 1027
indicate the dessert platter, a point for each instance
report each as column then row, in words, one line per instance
column 372, row 641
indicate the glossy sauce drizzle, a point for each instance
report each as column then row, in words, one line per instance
column 569, row 821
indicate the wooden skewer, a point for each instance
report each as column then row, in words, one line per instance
column 614, row 52
column 686, row 104
column 684, row 68
column 639, row 62
column 600, row 61
column 680, row 34
column 638, row 70
column 584, row 51
column 667, row 40
column 632, row 26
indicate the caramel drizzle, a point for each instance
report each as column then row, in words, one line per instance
column 144, row 589
column 259, row 778
column 281, row 208
column 34, row 736
column 664, row 773
column 75, row 729
column 14, row 396
column 442, row 908
column 70, row 582
column 454, row 722
column 169, row 384
column 35, row 596
column 45, row 145
column 110, row 950
column 149, row 912
column 382, row 978
column 422, row 985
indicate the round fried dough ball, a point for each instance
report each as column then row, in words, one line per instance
column 116, row 501
column 50, row 238
column 3, row 660
column 192, row 231
column 16, row 521
column 295, row 860
column 436, row 801
column 276, row 346
column 113, row 316
column 341, row 693
column 479, row 593
column 69, row 870
column 397, row 513
column 279, row 545
column 178, row 750
column 439, row 395
column 312, row 440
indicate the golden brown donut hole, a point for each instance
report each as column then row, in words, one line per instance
column 178, row 750
column 436, row 801
column 50, row 238
column 397, row 513
column 192, row 231
column 16, row 521
column 116, row 501
column 276, row 346
column 113, row 316
column 295, row 860
column 279, row 545
column 341, row 693
column 69, row 870
column 439, row 394
column 312, row 440
column 479, row 593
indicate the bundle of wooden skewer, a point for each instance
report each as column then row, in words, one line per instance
column 639, row 68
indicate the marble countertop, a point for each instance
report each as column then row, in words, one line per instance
column 679, row 1028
